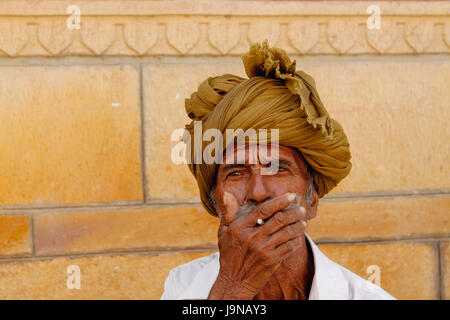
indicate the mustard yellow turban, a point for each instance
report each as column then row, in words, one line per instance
column 275, row 96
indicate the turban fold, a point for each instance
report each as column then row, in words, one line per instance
column 275, row 96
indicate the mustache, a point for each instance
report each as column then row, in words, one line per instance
column 248, row 207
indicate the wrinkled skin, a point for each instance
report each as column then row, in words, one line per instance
column 273, row 260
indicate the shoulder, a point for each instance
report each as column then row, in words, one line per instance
column 332, row 281
column 362, row 289
column 183, row 277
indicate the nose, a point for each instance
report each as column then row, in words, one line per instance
column 258, row 188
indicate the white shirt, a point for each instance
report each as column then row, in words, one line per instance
column 194, row 280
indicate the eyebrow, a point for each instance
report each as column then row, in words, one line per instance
column 232, row 166
column 281, row 162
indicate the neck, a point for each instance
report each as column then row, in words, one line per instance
column 293, row 278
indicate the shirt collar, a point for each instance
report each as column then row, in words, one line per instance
column 329, row 282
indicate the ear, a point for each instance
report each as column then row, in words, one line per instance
column 312, row 210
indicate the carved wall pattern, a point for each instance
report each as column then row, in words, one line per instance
column 221, row 35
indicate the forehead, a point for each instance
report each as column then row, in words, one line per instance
column 254, row 152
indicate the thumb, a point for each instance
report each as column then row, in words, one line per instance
column 231, row 207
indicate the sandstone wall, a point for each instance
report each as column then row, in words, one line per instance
column 86, row 117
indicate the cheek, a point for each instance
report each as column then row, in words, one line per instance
column 238, row 189
column 288, row 183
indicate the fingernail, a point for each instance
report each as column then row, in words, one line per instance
column 304, row 223
column 291, row 196
column 302, row 210
column 225, row 198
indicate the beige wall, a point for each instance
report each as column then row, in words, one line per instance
column 86, row 117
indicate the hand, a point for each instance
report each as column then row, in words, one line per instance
column 250, row 253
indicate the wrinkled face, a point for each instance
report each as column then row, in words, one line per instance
column 250, row 182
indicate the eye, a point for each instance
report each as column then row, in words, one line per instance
column 282, row 169
column 234, row 174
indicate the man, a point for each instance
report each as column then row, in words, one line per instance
column 264, row 252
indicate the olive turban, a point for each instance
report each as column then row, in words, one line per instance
column 275, row 96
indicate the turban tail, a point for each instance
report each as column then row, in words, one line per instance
column 275, row 96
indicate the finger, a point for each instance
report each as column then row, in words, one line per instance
column 298, row 208
column 285, row 234
column 266, row 209
column 281, row 219
column 286, row 248
column 300, row 202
